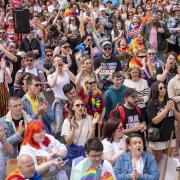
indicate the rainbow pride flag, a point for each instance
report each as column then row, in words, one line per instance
column 90, row 174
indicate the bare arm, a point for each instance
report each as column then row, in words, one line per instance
column 52, row 79
column 69, row 138
column 9, row 55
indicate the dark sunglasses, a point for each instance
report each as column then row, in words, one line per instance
column 89, row 39
column 93, row 82
column 29, row 60
column 48, row 55
column 79, row 105
column 37, row 85
column 151, row 53
column 161, row 88
column 2, row 32
column 109, row 49
column 142, row 56
column 65, row 47
column 148, row 9
column 72, row 19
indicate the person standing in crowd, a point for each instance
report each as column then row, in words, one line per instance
column 14, row 124
column 156, row 34
column 107, row 64
column 113, row 95
column 30, row 68
column 35, row 105
column 56, row 81
column 161, row 113
column 174, row 94
column 136, row 164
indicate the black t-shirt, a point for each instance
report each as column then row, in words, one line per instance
column 170, row 74
column 166, row 125
column 132, row 117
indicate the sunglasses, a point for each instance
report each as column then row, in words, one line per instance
column 142, row 56
column 151, row 53
column 90, row 83
column 107, row 49
column 79, row 105
column 48, row 55
column 149, row 10
column 161, row 88
column 65, row 47
column 37, row 85
column 89, row 39
column 2, row 32
column 29, row 60
column 72, row 19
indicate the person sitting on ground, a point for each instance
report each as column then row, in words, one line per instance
column 46, row 151
column 26, row 169
column 136, row 164
column 114, row 141
column 94, row 162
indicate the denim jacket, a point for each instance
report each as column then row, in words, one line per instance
column 123, row 167
column 47, row 118
column 12, row 136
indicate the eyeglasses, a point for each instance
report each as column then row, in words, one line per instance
column 94, row 156
column 91, row 83
column 37, row 85
column 151, row 54
column 48, row 55
column 79, row 105
column 65, row 47
column 29, row 60
column 107, row 49
column 161, row 88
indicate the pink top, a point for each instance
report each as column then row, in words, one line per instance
column 153, row 37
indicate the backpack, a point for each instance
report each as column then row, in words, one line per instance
column 122, row 114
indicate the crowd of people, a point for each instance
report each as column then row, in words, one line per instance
column 92, row 91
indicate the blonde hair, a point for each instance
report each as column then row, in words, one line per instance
column 128, row 74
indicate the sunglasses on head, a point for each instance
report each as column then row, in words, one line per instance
column 79, row 105
column 65, row 47
column 29, row 60
column 37, row 85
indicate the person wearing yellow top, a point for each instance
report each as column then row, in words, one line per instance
column 35, row 106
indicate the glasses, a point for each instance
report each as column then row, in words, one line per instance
column 29, row 60
column 108, row 49
column 48, row 55
column 142, row 56
column 72, row 19
column 94, row 156
column 161, row 88
column 70, row 93
column 79, row 105
column 151, row 54
column 91, row 83
column 2, row 32
column 89, row 39
column 65, row 47
column 149, row 10
column 37, row 85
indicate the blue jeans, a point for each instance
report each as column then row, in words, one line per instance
column 58, row 110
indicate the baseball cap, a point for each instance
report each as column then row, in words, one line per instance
column 106, row 43
column 102, row 8
column 130, row 92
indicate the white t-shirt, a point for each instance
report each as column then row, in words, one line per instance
column 54, row 146
column 32, row 71
column 81, row 133
column 1, row 74
column 58, row 88
column 139, row 166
